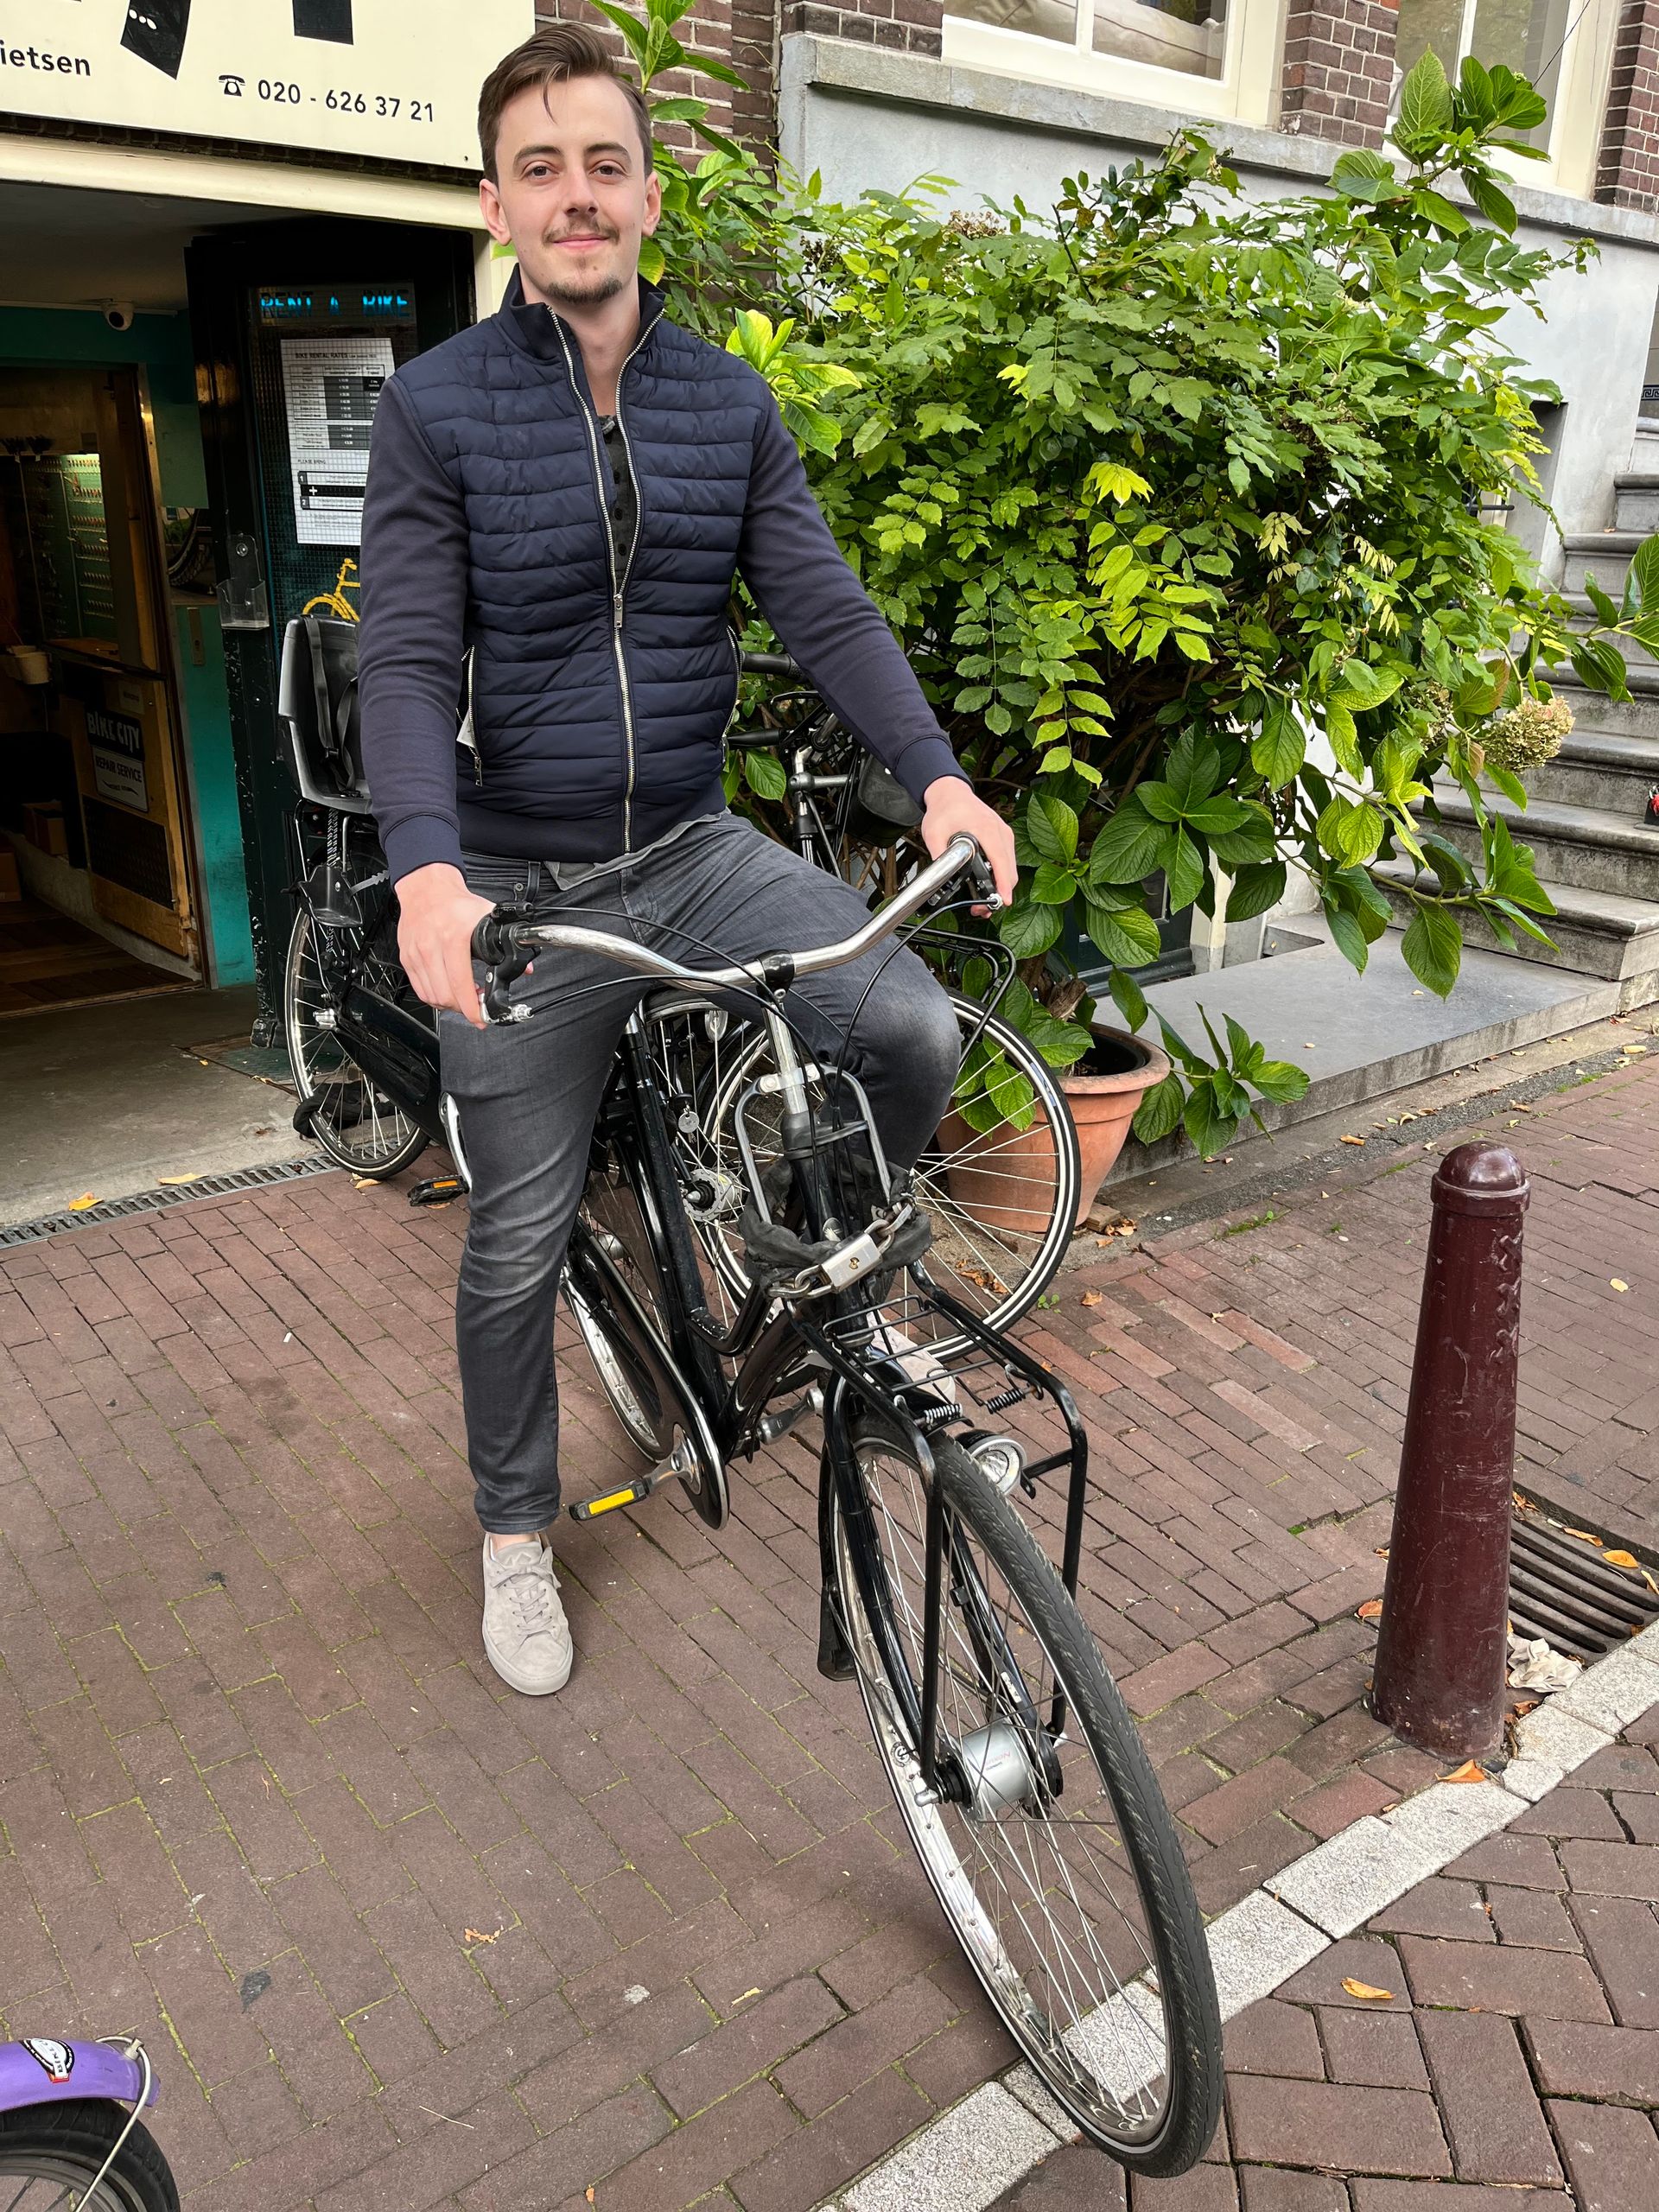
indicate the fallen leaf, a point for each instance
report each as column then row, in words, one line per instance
column 589, row 2196
column 362, row 1182
column 1381, row 1551
column 86, row 1199
column 1617, row 1283
column 1527, row 1705
column 194, row 1176
column 1365, row 1990
column 1091, row 1298
column 1619, row 1559
column 1350, row 1140
column 747, row 1994
column 477, row 1935
column 1371, row 1611
column 1585, row 1536
column 1632, row 1048
column 1471, row 1770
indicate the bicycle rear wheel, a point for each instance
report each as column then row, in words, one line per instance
column 49, row 2154
column 356, row 1124
column 1053, row 1856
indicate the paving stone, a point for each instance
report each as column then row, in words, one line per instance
column 1255, row 1947
column 1369, row 1959
column 1275, row 2038
column 1613, row 1692
column 1377, row 2049
column 1618, row 1870
column 1502, row 1978
column 1341, row 1884
column 1304, row 2123
column 1072, row 2180
column 962, row 2164
column 1436, row 2196
column 1622, row 1937
column 1575, row 2058
column 1440, row 1907
column 1488, row 2106
column 1276, row 2189
column 1611, row 2156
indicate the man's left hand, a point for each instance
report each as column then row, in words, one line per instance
column 949, row 809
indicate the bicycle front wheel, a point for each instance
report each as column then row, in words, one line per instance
column 1003, row 1203
column 50, row 2154
column 1049, row 1847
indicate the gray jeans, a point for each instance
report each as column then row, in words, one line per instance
column 529, row 1094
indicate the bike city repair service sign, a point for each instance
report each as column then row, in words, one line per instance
column 394, row 78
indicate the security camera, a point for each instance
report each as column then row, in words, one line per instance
column 120, row 313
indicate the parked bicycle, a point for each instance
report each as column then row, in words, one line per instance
column 71, row 2138
column 1014, row 1764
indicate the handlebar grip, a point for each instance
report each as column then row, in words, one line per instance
column 492, row 939
column 770, row 665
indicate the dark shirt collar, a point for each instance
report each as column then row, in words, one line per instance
column 536, row 329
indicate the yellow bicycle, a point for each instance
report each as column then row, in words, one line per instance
column 335, row 603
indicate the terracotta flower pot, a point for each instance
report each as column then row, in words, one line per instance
column 999, row 1176
column 1103, row 1105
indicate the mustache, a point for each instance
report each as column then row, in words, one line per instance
column 594, row 229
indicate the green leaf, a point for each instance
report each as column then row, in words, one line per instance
column 1184, row 869
column 1255, row 889
column 1599, row 662
column 1280, row 1079
column 1644, row 574
column 1052, row 826
column 1362, row 686
column 1129, row 939
column 764, row 772
column 653, row 261
column 1011, row 1093
column 1027, row 929
column 1348, row 936
column 1280, row 749
column 1598, row 598
column 1161, row 801
column 1128, row 998
column 1208, row 1123
column 1363, row 175
column 1216, row 816
column 1160, row 1110
column 1511, row 786
column 1126, row 851
column 1497, row 207
column 1425, row 100
column 1051, row 886
column 1191, row 769
column 1433, row 948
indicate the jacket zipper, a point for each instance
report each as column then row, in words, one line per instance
column 619, row 583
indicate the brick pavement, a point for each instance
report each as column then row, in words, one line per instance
column 1513, row 2066
column 402, row 1939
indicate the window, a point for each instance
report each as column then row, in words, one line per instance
column 1189, row 36
column 1529, row 36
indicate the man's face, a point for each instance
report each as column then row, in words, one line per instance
column 574, row 194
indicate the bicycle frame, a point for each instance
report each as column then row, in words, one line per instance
column 766, row 1338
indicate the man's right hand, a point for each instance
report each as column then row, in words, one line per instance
column 436, row 916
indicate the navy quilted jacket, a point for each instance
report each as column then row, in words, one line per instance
column 601, row 691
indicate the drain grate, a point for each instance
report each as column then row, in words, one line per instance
column 1562, row 1588
column 204, row 1187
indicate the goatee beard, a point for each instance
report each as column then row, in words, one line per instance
column 586, row 295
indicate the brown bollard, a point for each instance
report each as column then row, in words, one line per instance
column 1440, row 1658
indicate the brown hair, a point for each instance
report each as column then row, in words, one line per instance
column 550, row 56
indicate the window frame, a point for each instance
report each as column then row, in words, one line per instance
column 1246, row 89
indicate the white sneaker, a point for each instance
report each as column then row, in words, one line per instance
column 526, row 1637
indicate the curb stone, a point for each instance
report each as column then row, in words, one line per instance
column 963, row 2159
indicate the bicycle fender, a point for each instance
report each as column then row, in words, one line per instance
column 41, row 2071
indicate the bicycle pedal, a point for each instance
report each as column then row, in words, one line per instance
column 436, row 1191
column 635, row 1494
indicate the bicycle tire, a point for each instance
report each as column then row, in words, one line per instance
column 320, row 1063
column 1170, row 1937
column 62, row 2148
column 995, row 1267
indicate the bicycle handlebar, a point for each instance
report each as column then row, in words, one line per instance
column 505, row 943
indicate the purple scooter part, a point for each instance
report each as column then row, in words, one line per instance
column 41, row 2071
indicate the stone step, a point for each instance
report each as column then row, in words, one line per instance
column 1597, row 769
column 1589, row 849
column 1595, row 932
column 1606, row 555
column 1635, row 500
column 1595, row 715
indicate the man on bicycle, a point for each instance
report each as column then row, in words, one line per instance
column 558, row 500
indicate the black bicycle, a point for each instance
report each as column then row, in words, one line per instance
column 1014, row 1763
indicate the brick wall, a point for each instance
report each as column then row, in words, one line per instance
column 911, row 26
column 1338, row 69
column 706, row 29
column 1627, row 171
